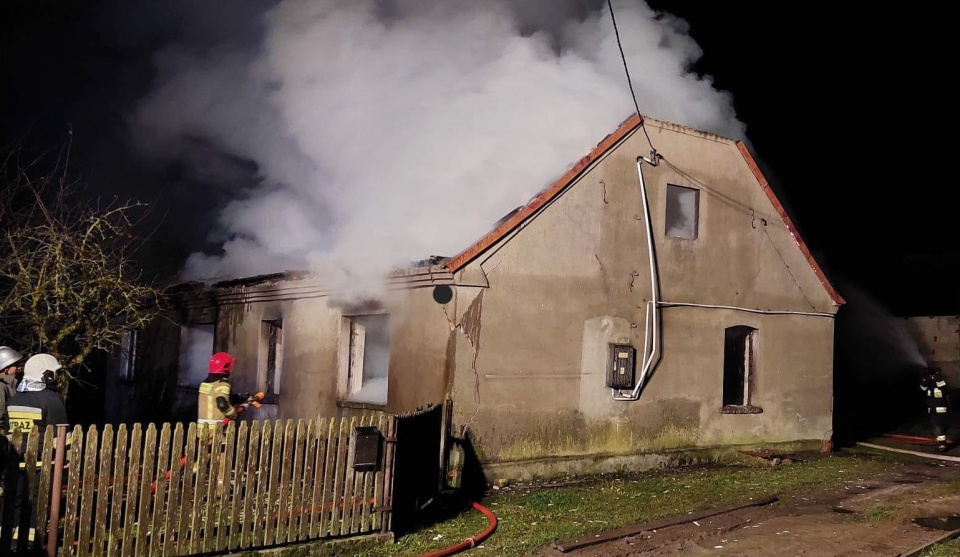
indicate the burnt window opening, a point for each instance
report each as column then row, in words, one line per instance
column 271, row 359
column 196, row 347
column 739, row 369
column 364, row 359
column 683, row 212
column 128, row 355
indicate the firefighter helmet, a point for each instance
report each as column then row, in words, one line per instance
column 8, row 357
column 221, row 363
column 41, row 367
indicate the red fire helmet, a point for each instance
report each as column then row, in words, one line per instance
column 221, row 363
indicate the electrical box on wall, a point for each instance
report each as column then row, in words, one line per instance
column 366, row 448
column 620, row 366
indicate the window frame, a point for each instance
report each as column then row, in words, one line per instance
column 270, row 360
column 746, row 342
column 346, row 362
column 667, row 210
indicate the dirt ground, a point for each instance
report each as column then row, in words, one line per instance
column 869, row 518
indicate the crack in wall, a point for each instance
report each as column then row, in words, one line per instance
column 470, row 325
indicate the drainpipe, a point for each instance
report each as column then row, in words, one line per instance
column 651, row 321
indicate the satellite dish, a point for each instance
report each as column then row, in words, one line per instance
column 442, row 294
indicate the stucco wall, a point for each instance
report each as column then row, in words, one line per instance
column 577, row 277
column 311, row 352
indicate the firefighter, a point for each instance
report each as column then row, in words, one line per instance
column 11, row 364
column 217, row 400
column 934, row 387
column 35, row 404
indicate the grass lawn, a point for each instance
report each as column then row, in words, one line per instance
column 945, row 549
column 529, row 519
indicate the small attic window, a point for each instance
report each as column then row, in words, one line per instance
column 683, row 211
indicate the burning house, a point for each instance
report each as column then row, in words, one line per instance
column 644, row 302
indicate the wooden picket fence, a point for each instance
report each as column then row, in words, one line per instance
column 171, row 491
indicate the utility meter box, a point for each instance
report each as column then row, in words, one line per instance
column 621, row 364
column 366, row 448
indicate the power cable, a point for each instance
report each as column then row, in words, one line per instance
column 626, row 70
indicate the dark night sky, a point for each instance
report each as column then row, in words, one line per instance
column 842, row 106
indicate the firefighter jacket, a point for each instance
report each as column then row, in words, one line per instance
column 216, row 402
column 935, row 388
column 29, row 409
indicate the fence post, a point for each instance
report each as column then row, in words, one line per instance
column 391, row 442
column 53, row 527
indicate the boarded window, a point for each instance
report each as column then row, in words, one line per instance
column 739, row 365
column 271, row 359
column 683, row 210
column 196, row 347
column 365, row 358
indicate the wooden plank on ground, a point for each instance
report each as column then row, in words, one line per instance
column 132, row 481
column 100, row 533
column 584, row 541
column 87, row 501
column 117, row 487
column 917, row 551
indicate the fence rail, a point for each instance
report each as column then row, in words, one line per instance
column 170, row 491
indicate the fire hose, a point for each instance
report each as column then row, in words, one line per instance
column 471, row 541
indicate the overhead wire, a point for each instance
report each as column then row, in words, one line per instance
column 626, row 70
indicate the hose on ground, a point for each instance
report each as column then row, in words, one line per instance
column 471, row 541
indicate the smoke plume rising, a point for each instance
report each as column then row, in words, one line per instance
column 383, row 132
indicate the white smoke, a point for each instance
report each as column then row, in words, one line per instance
column 386, row 132
column 196, row 347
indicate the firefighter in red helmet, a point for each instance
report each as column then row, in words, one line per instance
column 217, row 401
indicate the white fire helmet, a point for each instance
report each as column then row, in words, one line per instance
column 8, row 357
column 41, row 367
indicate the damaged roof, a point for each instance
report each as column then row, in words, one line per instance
column 516, row 217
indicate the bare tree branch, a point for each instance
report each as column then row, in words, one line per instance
column 69, row 282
